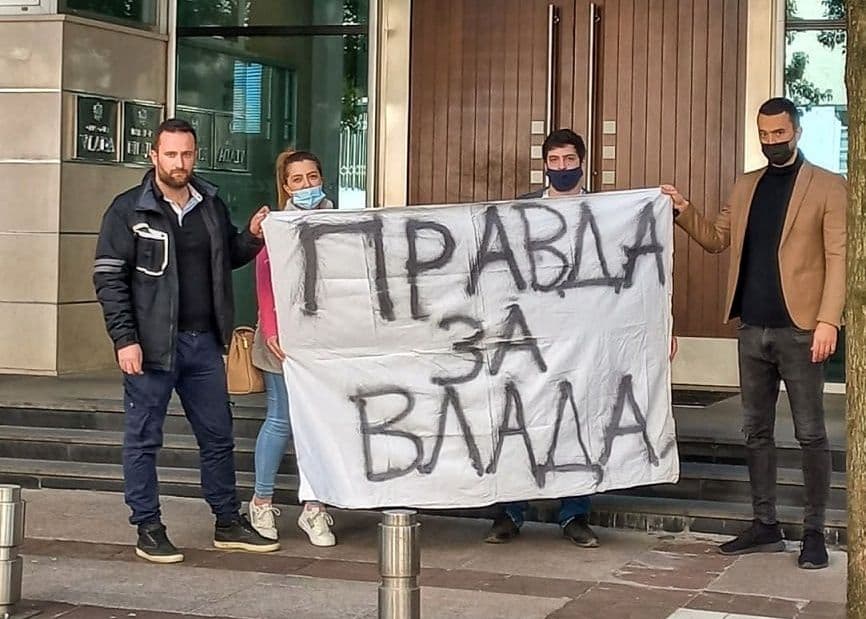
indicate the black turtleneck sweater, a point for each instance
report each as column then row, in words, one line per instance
column 759, row 301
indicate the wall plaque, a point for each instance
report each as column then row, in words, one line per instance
column 140, row 122
column 96, row 132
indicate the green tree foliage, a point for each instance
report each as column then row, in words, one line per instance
column 210, row 12
column 354, row 65
column 802, row 91
column 833, row 9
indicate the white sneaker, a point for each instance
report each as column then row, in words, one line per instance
column 316, row 523
column 262, row 519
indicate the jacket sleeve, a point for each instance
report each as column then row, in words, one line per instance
column 242, row 245
column 713, row 236
column 835, row 235
column 265, row 296
column 112, row 274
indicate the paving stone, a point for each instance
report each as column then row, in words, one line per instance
column 746, row 604
column 688, row 613
column 823, row 610
column 98, row 612
column 44, row 608
column 93, row 569
column 777, row 574
column 341, row 570
column 454, row 604
column 694, row 567
column 607, row 600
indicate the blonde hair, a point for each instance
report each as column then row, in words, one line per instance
column 284, row 160
column 281, row 173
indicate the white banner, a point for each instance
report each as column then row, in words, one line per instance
column 458, row 356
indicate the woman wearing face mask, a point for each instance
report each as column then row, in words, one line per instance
column 299, row 187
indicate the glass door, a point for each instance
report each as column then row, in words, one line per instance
column 258, row 76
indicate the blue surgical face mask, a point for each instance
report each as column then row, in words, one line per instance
column 308, row 198
column 565, row 180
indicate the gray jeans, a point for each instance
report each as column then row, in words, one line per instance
column 768, row 356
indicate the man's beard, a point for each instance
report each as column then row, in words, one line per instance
column 176, row 179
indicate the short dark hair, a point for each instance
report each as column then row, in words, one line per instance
column 564, row 137
column 173, row 125
column 781, row 105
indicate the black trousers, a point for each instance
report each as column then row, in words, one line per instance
column 767, row 357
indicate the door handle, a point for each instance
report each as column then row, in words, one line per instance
column 550, row 106
column 591, row 92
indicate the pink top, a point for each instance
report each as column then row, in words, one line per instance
column 265, row 295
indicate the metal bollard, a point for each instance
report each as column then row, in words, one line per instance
column 399, row 565
column 11, row 538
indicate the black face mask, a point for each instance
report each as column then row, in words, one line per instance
column 778, row 154
column 565, row 180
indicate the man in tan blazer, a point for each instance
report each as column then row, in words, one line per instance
column 785, row 226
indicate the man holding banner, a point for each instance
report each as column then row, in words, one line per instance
column 785, row 225
column 564, row 153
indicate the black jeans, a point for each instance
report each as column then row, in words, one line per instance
column 766, row 357
column 200, row 380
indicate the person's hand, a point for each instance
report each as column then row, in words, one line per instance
column 823, row 342
column 129, row 359
column 273, row 344
column 680, row 203
column 256, row 221
column 674, row 347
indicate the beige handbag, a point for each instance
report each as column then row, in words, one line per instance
column 241, row 375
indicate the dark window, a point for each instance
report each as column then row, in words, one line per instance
column 138, row 13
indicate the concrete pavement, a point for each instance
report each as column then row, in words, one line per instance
column 80, row 563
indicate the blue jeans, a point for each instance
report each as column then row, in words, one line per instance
column 199, row 377
column 274, row 435
column 570, row 509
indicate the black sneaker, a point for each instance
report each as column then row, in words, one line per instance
column 759, row 537
column 503, row 530
column 578, row 531
column 813, row 552
column 240, row 535
column 153, row 545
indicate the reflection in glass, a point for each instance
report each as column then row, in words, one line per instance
column 815, row 9
column 228, row 13
column 134, row 12
column 815, row 81
column 251, row 97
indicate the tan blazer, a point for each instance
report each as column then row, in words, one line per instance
column 811, row 251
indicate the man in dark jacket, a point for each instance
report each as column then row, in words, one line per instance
column 162, row 273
